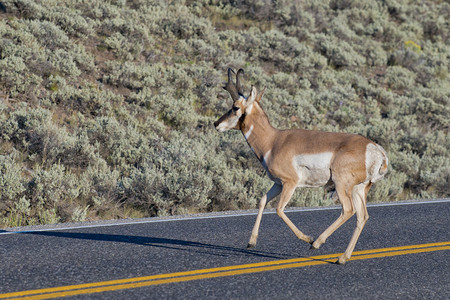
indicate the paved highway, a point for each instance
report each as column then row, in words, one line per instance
column 403, row 252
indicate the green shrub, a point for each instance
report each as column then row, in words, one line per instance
column 11, row 181
column 338, row 52
column 399, row 78
column 110, row 104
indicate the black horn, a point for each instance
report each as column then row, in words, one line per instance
column 238, row 83
column 235, row 90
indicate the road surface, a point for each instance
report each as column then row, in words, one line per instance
column 403, row 252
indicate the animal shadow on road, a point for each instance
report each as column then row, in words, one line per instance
column 166, row 243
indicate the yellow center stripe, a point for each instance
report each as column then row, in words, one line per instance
column 136, row 282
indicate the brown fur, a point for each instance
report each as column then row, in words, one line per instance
column 277, row 151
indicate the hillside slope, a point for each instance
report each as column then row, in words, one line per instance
column 107, row 106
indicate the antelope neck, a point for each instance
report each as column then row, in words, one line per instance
column 259, row 134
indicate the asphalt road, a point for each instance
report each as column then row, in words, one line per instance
column 129, row 255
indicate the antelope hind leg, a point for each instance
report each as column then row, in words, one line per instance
column 359, row 202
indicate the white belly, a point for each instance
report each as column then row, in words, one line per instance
column 313, row 170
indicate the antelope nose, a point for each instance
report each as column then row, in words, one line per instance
column 216, row 123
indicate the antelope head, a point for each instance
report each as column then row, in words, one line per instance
column 242, row 106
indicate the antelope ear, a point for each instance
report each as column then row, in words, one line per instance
column 250, row 100
column 260, row 94
column 252, row 97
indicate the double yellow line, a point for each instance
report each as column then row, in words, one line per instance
column 130, row 283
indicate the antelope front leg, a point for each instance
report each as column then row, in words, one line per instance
column 274, row 191
column 286, row 194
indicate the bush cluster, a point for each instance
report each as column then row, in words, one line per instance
column 106, row 107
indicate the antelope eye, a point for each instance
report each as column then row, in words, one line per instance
column 235, row 108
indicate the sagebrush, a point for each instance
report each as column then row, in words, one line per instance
column 107, row 106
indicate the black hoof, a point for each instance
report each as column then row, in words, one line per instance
column 250, row 246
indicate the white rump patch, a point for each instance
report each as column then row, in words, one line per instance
column 375, row 156
column 313, row 169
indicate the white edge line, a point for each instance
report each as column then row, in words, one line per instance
column 231, row 214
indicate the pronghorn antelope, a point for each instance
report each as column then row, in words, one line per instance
column 304, row 158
